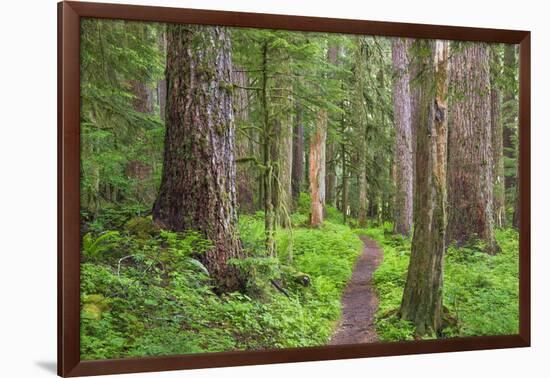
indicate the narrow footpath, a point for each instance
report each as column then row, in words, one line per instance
column 359, row 302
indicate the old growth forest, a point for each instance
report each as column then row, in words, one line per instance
column 246, row 189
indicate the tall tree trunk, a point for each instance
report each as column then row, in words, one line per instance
column 297, row 154
column 509, row 114
column 510, row 132
column 333, row 58
column 499, row 208
column 403, row 205
column 282, row 147
column 331, row 173
column 360, row 123
column 317, row 168
column 345, row 174
column 267, row 141
column 197, row 190
column 422, row 297
column 244, row 146
column 414, row 74
column 470, row 153
column 362, row 183
column 517, row 208
column 161, row 84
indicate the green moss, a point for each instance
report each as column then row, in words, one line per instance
column 142, row 227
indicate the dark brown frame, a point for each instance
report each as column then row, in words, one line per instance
column 69, row 14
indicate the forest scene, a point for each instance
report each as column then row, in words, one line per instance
column 252, row 189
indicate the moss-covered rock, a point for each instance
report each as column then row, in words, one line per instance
column 94, row 305
column 142, row 227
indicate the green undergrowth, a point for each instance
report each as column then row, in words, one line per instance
column 480, row 291
column 144, row 291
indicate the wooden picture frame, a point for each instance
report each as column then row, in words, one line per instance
column 69, row 15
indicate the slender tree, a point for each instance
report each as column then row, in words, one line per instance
column 197, row 190
column 317, row 164
column 499, row 206
column 470, row 150
column 331, row 177
column 403, row 204
column 281, row 148
column 297, row 153
column 422, row 297
column 360, row 125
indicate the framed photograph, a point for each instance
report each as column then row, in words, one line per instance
column 240, row 188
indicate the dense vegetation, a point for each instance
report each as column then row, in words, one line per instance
column 227, row 174
column 480, row 293
column 145, row 293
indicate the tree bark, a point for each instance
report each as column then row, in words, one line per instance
column 403, row 204
column 331, row 173
column 244, row 145
column 197, row 190
column 499, row 208
column 422, row 297
column 333, row 58
column 509, row 114
column 267, row 183
column 470, row 154
column 282, row 147
column 317, row 168
column 360, row 123
column 345, row 174
column 161, row 84
column 297, row 154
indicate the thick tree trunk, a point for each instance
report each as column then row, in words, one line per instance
column 499, row 208
column 403, row 204
column 470, row 154
column 197, row 190
column 317, row 168
column 422, row 297
column 297, row 154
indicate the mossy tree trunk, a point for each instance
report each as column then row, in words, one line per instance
column 267, row 141
column 360, row 123
column 297, row 154
column 331, row 177
column 422, row 296
column 281, row 148
column 470, row 149
column 345, row 175
column 509, row 116
column 197, row 190
column 510, row 124
column 499, row 208
column 403, row 204
column 161, row 83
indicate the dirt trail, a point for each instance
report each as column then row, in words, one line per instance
column 359, row 301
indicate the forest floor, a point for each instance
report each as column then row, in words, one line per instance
column 360, row 302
